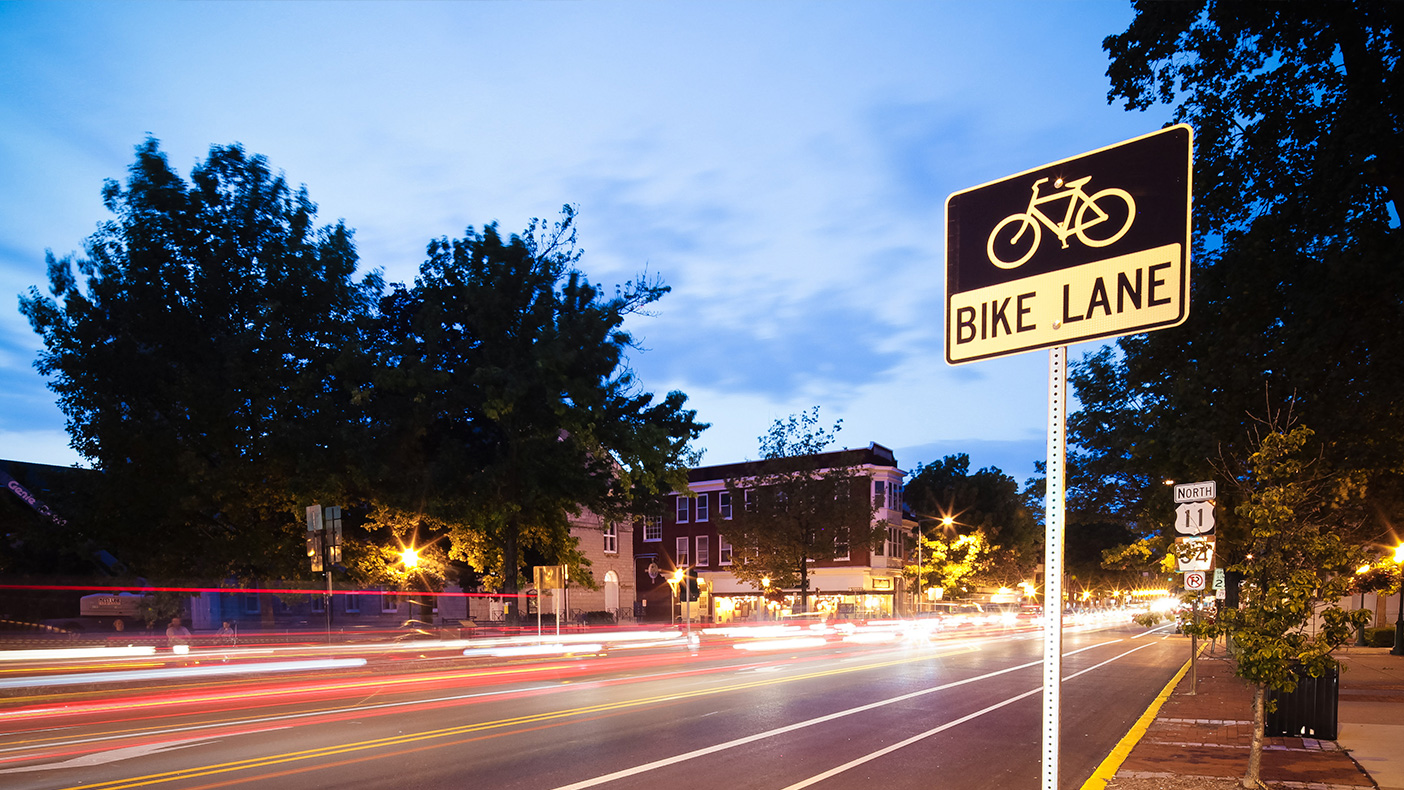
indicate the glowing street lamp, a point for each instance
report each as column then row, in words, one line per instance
column 410, row 557
column 1360, row 632
column 1398, row 649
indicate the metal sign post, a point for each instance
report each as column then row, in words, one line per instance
column 1053, row 562
column 1086, row 248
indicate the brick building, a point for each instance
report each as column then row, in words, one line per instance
column 691, row 533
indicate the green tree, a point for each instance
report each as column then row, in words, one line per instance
column 1298, row 110
column 1299, row 564
column 950, row 563
column 501, row 401
column 192, row 362
column 947, row 498
column 803, row 505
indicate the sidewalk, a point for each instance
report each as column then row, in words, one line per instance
column 1202, row 740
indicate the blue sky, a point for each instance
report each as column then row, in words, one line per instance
column 782, row 165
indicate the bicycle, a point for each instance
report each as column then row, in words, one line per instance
column 1079, row 206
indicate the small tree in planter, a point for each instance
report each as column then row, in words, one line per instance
column 1300, row 556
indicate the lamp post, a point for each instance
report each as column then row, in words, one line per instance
column 1398, row 649
column 1360, row 632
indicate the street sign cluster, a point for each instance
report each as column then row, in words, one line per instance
column 1194, row 520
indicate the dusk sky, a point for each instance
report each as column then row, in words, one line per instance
column 782, row 165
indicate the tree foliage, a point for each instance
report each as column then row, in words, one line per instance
column 949, row 501
column 1299, row 565
column 190, row 349
column 803, row 505
column 987, row 500
column 1298, row 182
column 950, row 563
column 502, row 403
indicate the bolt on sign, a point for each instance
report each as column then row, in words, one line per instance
column 1090, row 247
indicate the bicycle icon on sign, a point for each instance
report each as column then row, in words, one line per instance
column 1009, row 248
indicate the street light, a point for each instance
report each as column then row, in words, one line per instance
column 410, row 557
column 1360, row 632
column 1398, row 649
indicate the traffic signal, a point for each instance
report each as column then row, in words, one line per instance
column 693, row 589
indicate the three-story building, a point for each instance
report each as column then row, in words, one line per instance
column 866, row 582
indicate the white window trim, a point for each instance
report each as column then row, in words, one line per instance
column 681, row 510
column 724, row 505
column 353, row 604
column 611, row 538
column 704, row 510
column 704, row 551
column 723, row 551
column 653, row 525
column 682, row 549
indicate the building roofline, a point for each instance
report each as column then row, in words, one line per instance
column 872, row 455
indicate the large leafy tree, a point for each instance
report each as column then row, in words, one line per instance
column 1298, row 110
column 190, row 347
column 949, row 500
column 802, row 505
column 501, row 403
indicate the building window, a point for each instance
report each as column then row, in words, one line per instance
column 841, row 544
column 611, row 538
column 704, row 551
column 703, row 508
column 251, row 603
column 389, row 602
column 353, row 604
column 653, row 528
column 319, row 604
column 723, row 550
column 748, row 500
column 681, row 559
column 894, row 541
column 880, row 493
column 724, row 504
column 682, row 510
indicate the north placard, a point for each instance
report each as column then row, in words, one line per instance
column 1089, row 247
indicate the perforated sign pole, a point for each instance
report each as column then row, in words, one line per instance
column 1091, row 247
column 1053, row 562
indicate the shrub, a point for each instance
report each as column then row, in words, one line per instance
column 1380, row 637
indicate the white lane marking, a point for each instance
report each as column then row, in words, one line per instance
column 933, row 731
column 1104, row 663
column 908, row 742
column 1153, row 630
column 111, row 756
column 639, row 769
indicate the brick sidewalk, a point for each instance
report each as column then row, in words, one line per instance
column 1204, row 739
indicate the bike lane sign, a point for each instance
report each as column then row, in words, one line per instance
column 1090, row 247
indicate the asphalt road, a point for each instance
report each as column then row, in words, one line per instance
column 831, row 711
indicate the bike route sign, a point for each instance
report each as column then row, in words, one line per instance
column 1090, row 247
